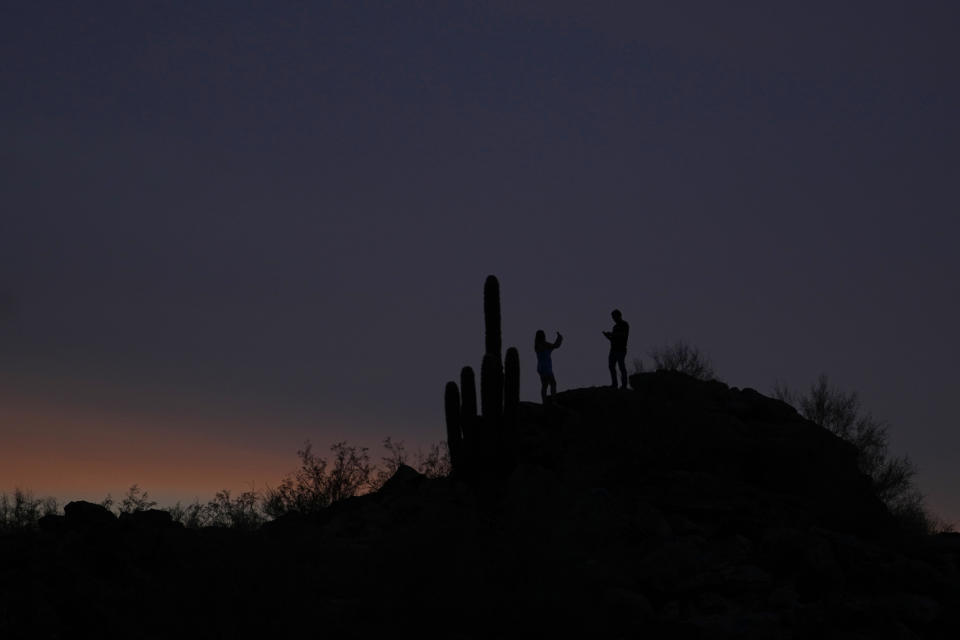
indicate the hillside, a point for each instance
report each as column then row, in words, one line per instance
column 679, row 508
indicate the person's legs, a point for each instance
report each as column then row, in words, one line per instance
column 553, row 385
column 544, row 381
column 612, row 364
column 621, row 361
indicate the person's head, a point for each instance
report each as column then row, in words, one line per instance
column 539, row 339
column 616, row 315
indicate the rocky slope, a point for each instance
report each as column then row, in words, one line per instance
column 680, row 509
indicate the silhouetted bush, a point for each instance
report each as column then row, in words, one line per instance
column 21, row 510
column 681, row 357
column 192, row 515
column 435, row 463
column 315, row 486
column 841, row 413
column 136, row 500
column 243, row 512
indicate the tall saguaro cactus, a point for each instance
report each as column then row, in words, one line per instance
column 491, row 316
column 511, row 384
column 491, row 390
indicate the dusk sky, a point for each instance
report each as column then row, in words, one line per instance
column 230, row 227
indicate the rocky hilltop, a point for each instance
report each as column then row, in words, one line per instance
column 679, row 508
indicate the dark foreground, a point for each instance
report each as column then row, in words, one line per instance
column 679, row 509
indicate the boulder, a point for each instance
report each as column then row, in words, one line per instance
column 404, row 480
column 83, row 514
column 149, row 519
column 52, row 523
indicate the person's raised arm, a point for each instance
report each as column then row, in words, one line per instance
column 558, row 341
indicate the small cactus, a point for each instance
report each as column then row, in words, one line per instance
column 468, row 403
column 451, row 405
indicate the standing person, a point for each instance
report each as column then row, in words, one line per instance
column 545, row 362
column 618, row 348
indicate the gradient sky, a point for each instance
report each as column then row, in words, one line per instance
column 228, row 227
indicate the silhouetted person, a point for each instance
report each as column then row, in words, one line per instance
column 618, row 348
column 545, row 362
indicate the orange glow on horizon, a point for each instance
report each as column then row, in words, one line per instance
column 86, row 453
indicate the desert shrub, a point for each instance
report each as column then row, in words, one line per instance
column 317, row 483
column 136, row 500
column 193, row 515
column 350, row 474
column 841, row 413
column 681, row 357
column 244, row 511
column 435, row 463
column 396, row 455
column 241, row 512
column 21, row 510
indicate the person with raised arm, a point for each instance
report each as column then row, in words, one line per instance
column 544, row 350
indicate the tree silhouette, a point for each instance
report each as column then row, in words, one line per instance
column 841, row 413
column 681, row 357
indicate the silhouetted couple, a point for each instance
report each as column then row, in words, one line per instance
column 617, row 358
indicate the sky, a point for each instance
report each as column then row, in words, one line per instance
column 227, row 228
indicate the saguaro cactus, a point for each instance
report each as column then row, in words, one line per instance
column 451, row 406
column 491, row 390
column 478, row 443
column 511, row 384
column 491, row 316
column 468, row 403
